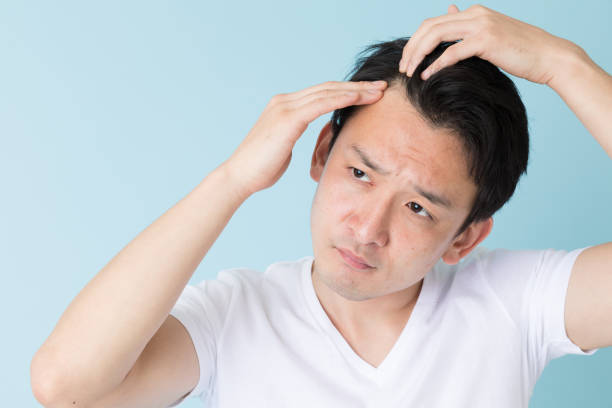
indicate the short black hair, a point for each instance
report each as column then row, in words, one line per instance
column 474, row 100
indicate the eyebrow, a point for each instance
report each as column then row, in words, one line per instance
column 435, row 198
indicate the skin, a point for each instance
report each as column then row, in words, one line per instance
column 370, row 308
column 375, row 215
column 531, row 53
column 371, row 219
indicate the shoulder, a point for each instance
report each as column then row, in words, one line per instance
column 246, row 283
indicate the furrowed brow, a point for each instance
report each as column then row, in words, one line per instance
column 434, row 198
column 368, row 162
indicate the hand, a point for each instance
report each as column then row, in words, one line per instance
column 516, row 47
column 264, row 155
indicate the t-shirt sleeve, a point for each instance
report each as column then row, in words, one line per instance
column 532, row 285
column 547, row 295
column 197, row 308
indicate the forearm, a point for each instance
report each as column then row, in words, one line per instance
column 103, row 331
column 587, row 89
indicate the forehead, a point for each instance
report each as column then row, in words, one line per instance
column 397, row 138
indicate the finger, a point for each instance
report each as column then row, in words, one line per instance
column 452, row 55
column 316, row 105
column 423, row 29
column 448, row 31
column 346, row 86
column 360, row 95
column 453, row 9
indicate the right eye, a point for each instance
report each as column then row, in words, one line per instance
column 418, row 209
column 358, row 174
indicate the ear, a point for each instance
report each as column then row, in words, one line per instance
column 468, row 240
column 319, row 156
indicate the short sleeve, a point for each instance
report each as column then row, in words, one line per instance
column 532, row 285
column 192, row 310
column 548, row 291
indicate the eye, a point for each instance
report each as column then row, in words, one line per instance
column 416, row 208
column 358, row 174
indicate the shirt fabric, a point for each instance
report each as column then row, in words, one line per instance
column 480, row 334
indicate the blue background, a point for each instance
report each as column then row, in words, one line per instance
column 111, row 112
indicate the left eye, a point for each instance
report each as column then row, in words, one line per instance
column 358, row 173
column 416, row 208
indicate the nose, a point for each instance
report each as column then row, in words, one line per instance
column 369, row 223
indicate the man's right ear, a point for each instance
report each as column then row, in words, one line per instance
column 319, row 156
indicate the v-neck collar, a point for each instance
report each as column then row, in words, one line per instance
column 399, row 349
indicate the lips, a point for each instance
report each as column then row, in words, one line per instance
column 353, row 259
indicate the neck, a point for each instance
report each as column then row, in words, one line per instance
column 386, row 311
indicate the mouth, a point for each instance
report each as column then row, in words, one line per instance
column 353, row 260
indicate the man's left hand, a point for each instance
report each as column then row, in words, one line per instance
column 516, row 47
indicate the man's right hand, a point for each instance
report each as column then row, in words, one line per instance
column 264, row 155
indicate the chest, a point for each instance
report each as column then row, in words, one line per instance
column 373, row 346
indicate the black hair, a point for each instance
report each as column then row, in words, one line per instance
column 474, row 100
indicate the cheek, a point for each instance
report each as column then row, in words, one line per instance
column 333, row 199
column 413, row 236
column 416, row 245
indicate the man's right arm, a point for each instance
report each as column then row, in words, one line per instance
column 99, row 338
column 106, row 327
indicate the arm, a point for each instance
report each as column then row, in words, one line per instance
column 522, row 50
column 105, row 329
column 108, row 324
column 534, row 54
column 587, row 89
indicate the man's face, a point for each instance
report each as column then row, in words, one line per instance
column 386, row 219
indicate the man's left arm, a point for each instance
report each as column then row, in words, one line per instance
column 529, row 52
column 587, row 90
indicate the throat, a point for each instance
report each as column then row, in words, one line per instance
column 374, row 345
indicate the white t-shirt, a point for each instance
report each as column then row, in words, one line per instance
column 480, row 335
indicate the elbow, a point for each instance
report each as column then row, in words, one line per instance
column 53, row 390
column 42, row 383
column 46, row 386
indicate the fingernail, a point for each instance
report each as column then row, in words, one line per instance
column 378, row 83
column 401, row 64
column 426, row 74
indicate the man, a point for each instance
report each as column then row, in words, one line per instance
column 384, row 314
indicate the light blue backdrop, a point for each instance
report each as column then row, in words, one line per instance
column 111, row 112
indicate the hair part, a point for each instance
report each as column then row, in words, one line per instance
column 474, row 100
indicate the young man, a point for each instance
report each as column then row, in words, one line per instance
column 384, row 314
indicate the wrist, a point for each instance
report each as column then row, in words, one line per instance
column 232, row 182
column 572, row 64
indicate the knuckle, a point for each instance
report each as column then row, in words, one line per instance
column 435, row 26
column 279, row 110
column 277, row 98
column 474, row 8
column 487, row 24
column 427, row 22
column 447, row 57
column 480, row 9
column 344, row 96
column 439, row 61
